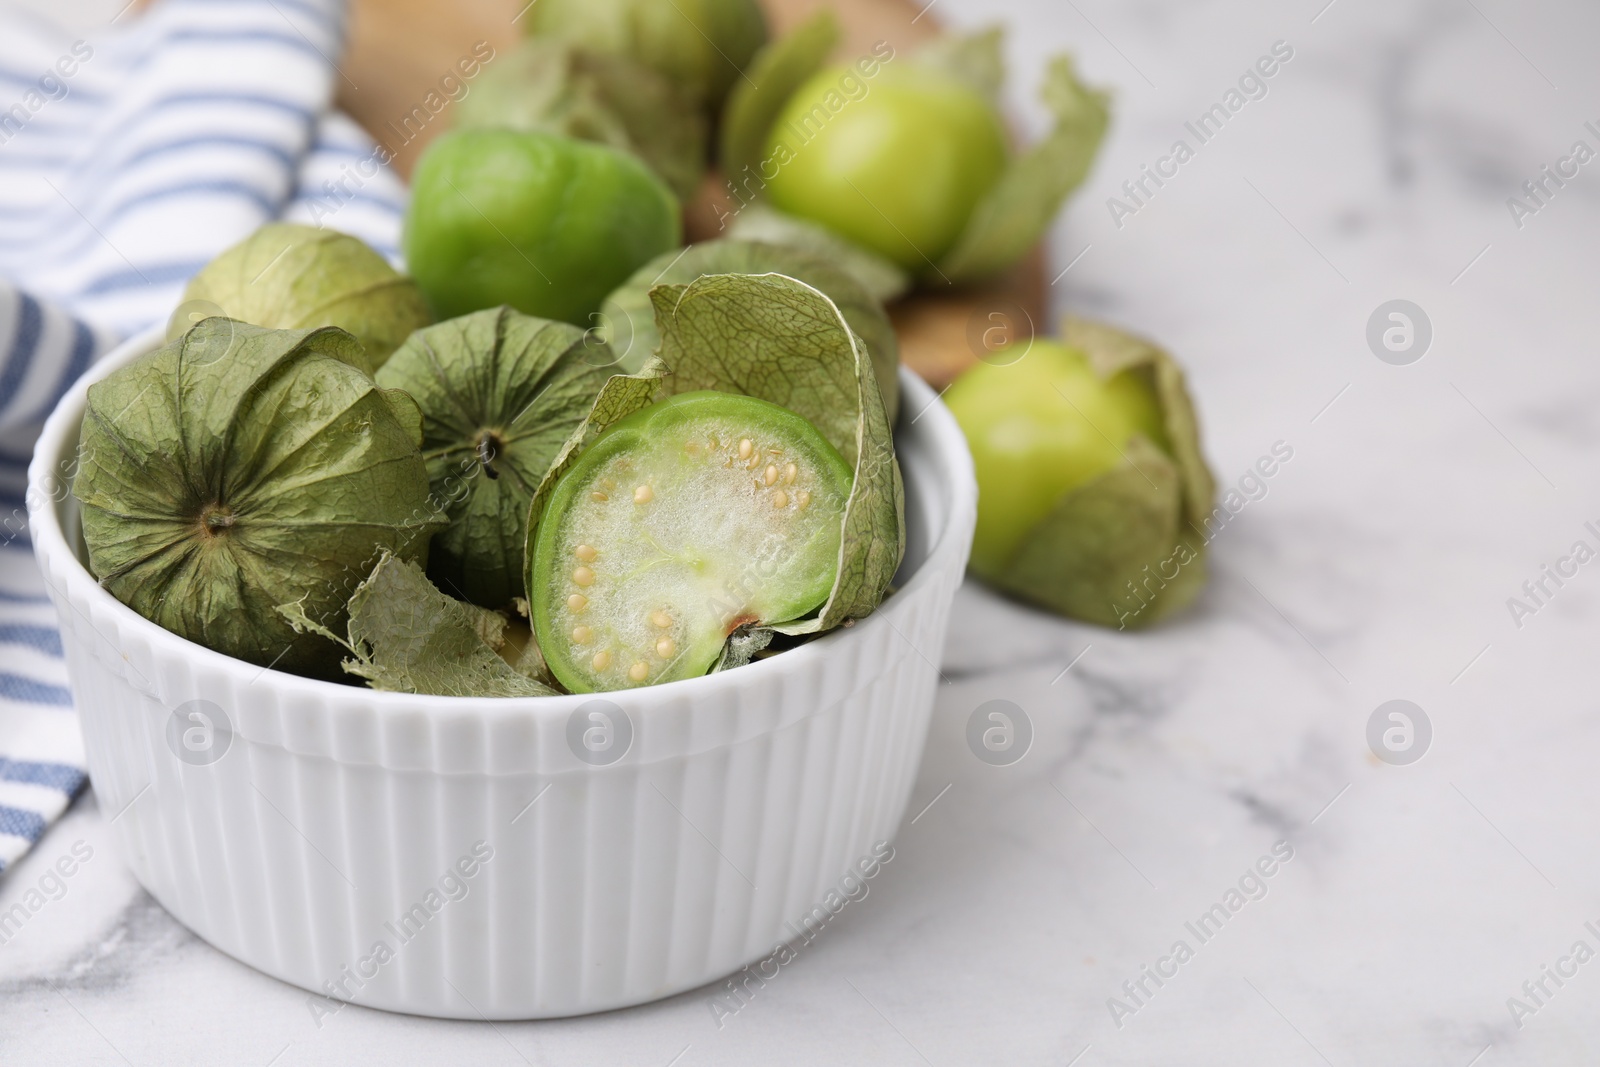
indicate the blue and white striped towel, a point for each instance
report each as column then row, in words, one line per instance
column 128, row 159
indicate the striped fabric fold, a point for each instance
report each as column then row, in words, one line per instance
column 128, row 159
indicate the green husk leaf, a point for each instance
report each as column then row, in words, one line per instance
column 287, row 276
column 1111, row 351
column 1129, row 547
column 629, row 322
column 1106, row 534
column 490, row 626
column 300, row 622
column 406, row 411
column 762, row 222
column 407, row 637
column 557, row 87
column 237, row 468
column 779, row 339
column 504, row 385
column 974, row 58
column 1015, row 214
column 773, row 76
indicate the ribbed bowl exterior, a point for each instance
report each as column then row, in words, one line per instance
column 454, row 857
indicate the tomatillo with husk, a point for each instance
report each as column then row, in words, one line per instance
column 898, row 170
column 500, row 394
column 1092, row 491
column 905, row 155
column 773, row 361
column 286, row 276
column 237, row 469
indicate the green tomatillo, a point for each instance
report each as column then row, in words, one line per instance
column 544, row 223
column 906, row 156
column 1091, row 485
column 898, row 170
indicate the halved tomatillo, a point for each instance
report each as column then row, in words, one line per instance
column 681, row 523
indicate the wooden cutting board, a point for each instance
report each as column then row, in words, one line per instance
column 401, row 50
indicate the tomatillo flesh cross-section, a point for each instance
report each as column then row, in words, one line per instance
column 681, row 523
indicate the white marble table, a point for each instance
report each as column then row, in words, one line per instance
column 1378, row 566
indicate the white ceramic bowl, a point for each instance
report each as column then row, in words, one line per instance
column 318, row 822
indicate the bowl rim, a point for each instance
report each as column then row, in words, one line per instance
column 949, row 454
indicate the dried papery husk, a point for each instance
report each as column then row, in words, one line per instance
column 286, row 276
column 238, row 468
column 1128, row 547
column 500, row 394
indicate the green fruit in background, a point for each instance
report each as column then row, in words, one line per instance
column 544, row 223
column 902, row 159
column 703, row 45
column 897, row 169
column 291, row 277
column 1091, row 488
